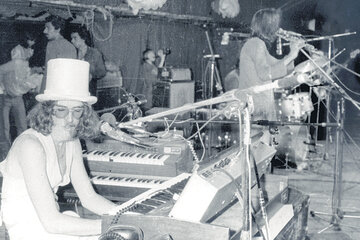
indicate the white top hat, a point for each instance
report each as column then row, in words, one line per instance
column 67, row 79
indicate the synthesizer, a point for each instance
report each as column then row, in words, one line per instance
column 117, row 187
column 127, row 157
column 228, row 226
column 121, row 171
column 213, row 188
column 155, row 207
column 155, row 198
column 166, row 157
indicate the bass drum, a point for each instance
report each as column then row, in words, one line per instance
column 292, row 143
column 295, row 107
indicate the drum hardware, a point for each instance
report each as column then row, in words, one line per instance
column 337, row 214
column 291, row 37
column 130, row 103
column 308, row 66
column 291, row 144
column 284, row 123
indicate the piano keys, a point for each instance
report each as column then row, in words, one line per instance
column 154, row 199
column 165, row 158
column 126, row 157
column 121, row 171
column 121, row 180
column 117, row 187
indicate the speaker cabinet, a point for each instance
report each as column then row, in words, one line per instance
column 173, row 94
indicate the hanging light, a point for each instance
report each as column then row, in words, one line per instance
column 137, row 5
column 226, row 8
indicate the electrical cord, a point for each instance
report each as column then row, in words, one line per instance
column 240, row 196
column 89, row 17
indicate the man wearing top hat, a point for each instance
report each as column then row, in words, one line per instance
column 49, row 155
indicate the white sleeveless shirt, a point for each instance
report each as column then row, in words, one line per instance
column 19, row 215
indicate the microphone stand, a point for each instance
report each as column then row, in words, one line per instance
column 330, row 39
column 337, row 213
column 328, row 99
column 214, row 79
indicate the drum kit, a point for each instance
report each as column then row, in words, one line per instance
column 293, row 141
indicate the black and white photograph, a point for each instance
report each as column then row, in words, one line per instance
column 179, row 119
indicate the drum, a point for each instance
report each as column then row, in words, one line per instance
column 295, row 107
column 292, row 143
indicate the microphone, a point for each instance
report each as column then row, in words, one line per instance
column 279, row 46
column 109, row 118
column 109, row 127
column 142, row 101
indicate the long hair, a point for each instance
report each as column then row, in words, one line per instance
column 40, row 118
column 265, row 23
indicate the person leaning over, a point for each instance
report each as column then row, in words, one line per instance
column 49, row 155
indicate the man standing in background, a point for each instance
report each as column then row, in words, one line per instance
column 58, row 46
column 4, row 144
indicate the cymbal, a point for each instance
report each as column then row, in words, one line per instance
column 308, row 65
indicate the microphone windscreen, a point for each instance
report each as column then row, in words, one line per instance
column 109, row 118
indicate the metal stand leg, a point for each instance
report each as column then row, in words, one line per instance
column 337, row 214
column 328, row 130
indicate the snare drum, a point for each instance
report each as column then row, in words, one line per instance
column 296, row 106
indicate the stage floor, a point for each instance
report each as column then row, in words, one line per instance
column 317, row 181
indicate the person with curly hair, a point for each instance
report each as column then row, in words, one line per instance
column 49, row 155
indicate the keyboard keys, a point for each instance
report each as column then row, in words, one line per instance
column 127, row 157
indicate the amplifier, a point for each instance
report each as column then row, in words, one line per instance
column 174, row 74
column 173, row 94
